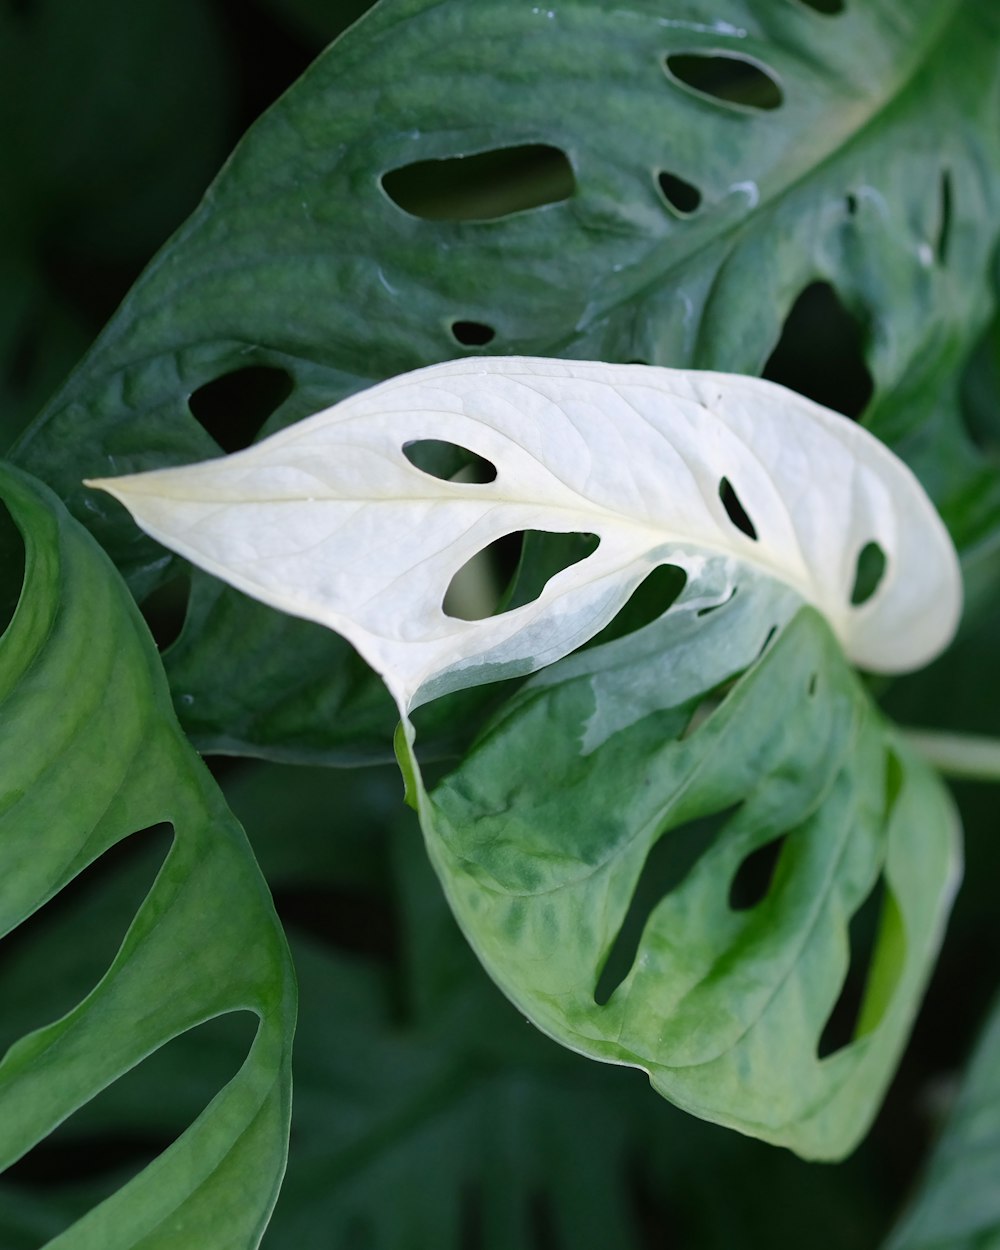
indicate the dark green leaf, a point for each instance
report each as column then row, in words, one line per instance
column 876, row 175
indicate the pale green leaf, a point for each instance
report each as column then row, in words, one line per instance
column 330, row 520
column 90, row 754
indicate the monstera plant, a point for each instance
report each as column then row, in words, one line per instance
column 501, row 281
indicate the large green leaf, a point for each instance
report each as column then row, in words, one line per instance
column 478, row 1128
column 546, row 835
column 92, row 754
column 877, row 173
column 957, row 1207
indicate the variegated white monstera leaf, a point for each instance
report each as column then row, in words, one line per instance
column 330, row 521
column 730, row 733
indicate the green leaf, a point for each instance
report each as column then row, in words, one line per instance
column 92, row 754
column 957, row 1207
column 544, row 834
column 878, row 174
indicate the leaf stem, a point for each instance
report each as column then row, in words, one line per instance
column 964, row 757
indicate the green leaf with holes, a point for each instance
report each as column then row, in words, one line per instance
column 91, row 754
column 673, row 890
column 957, row 1206
column 736, row 705
column 440, row 182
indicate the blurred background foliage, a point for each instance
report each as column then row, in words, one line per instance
column 427, row 1112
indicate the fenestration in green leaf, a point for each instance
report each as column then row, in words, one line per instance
column 878, row 173
column 541, row 835
column 957, row 1207
column 90, row 754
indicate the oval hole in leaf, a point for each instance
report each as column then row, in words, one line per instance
column 820, row 353
column 871, row 974
column 752, row 881
column 681, row 196
column 76, row 934
column 656, row 593
column 12, row 566
column 449, row 462
column 526, row 562
column 735, row 510
column 234, row 407
column 667, row 866
column 944, row 218
column 829, row 8
column 484, row 186
column 868, row 574
column 472, row 333
column 100, row 1143
column 726, row 79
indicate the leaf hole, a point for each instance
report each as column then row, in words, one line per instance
column 132, row 1121
column 449, row 462
column 868, row 573
column 668, row 865
column 12, row 557
column 234, row 407
column 513, row 571
column 877, row 949
column 735, row 510
column 656, row 594
column 730, row 80
column 851, row 203
column 76, row 933
column 944, row 218
column 482, row 187
column 683, row 198
column 752, row 881
column 165, row 608
column 820, row 353
column 829, row 8
column 472, row 333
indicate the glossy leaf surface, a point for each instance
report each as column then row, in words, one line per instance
column 877, row 174
column 91, row 755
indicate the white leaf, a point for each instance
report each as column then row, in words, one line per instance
column 330, row 521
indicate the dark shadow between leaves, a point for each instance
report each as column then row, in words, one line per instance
column 667, row 866
column 165, row 608
column 12, row 565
